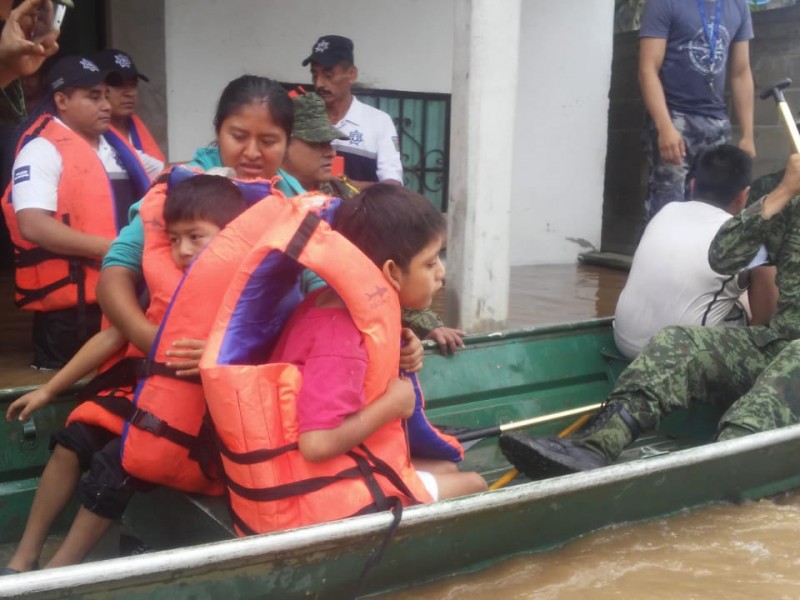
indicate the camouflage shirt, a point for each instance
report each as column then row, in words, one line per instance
column 421, row 322
column 738, row 241
column 12, row 104
column 763, row 186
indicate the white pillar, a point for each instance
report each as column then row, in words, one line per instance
column 485, row 70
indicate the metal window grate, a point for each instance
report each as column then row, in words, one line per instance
column 423, row 125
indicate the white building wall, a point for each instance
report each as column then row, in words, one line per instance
column 562, row 122
column 562, row 105
column 399, row 44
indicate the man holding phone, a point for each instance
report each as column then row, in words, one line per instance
column 22, row 51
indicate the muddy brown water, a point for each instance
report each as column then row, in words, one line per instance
column 721, row 551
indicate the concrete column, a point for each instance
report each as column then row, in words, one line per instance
column 485, row 71
column 138, row 29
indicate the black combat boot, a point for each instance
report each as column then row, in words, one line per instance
column 596, row 445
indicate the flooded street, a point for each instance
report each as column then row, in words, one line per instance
column 722, row 551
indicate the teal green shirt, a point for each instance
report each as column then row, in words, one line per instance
column 126, row 251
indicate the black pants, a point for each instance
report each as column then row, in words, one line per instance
column 107, row 488
column 57, row 335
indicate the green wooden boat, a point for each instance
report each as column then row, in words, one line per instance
column 498, row 378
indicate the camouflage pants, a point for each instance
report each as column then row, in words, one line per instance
column 737, row 368
column 667, row 182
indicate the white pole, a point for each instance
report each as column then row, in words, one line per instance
column 485, row 72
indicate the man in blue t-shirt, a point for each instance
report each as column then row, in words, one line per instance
column 683, row 85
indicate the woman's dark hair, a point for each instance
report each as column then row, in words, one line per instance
column 251, row 88
column 210, row 198
column 389, row 222
column 720, row 173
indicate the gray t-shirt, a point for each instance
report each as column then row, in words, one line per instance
column 692, row 83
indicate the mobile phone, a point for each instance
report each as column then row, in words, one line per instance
column 50, row 17
column 58, row 18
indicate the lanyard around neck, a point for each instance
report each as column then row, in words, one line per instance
column 711, row 31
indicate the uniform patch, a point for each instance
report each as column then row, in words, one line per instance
column 356, row 137
column 22, row 174
column 396, row 142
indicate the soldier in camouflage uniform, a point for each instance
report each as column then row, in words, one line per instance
column 754, row 372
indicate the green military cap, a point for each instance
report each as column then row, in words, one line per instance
column 311, row 122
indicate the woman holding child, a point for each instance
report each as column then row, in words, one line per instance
column 253, row 125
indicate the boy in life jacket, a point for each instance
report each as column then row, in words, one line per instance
column 402, row 233
column 195, row 210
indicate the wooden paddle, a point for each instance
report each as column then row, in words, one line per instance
column 478, row 434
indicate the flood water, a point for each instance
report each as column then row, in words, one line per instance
column 721, row 551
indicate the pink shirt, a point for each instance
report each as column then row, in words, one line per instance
column 327, row 347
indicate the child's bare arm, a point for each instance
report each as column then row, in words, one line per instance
column 116, row 293
column 323, row 444
column 100, row 347
column 411, row 352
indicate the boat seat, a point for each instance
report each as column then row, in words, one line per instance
column 166, row 518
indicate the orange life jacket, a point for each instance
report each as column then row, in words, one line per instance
column 166, row 437
column 143, row 140
column 48, row 281
column 115, row 383
column 252, row 404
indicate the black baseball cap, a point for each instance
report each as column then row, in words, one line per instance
column 117, row 61
column 330, row 50
column 75, row 71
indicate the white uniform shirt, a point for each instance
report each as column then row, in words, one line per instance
column 373, row 147
column 37, row 172
column 671, row 282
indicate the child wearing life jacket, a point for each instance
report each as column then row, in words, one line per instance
column 195, row 211
column 402, row 233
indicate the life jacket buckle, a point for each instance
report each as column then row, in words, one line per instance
column 147, row 421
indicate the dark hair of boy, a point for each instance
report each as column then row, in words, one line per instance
column 720, row 174
column 389, row 222
column 211, row 198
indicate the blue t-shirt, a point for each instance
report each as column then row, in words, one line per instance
column 687, row 71
column 126, row 251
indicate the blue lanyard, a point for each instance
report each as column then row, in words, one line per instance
column 711, row 33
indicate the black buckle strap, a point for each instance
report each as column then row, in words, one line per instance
column 126, row 373
column 30, row 257
column 302, row 235
column 254, row 456
column 32, row 295
column 147, row 421
column 288, row 490
column 383, row 468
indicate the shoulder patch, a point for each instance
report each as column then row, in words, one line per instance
column 22, row 174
